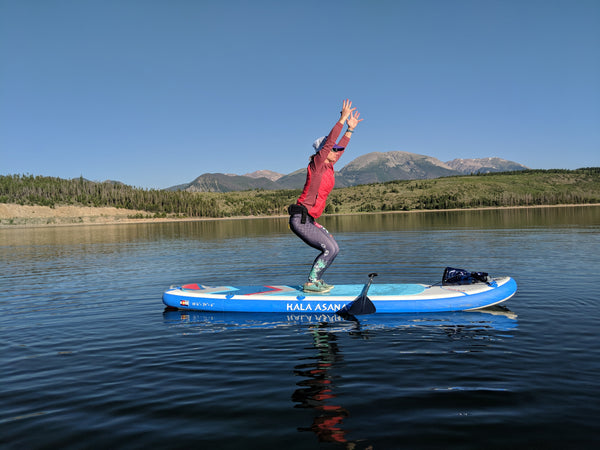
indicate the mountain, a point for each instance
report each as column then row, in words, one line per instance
column 380, row 167
column 484, row 165
column 375, row 167
column 294, row 180
column 269, row 174
column 220, row 182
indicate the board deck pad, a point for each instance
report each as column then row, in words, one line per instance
column 344, row 290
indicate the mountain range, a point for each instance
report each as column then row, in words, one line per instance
column 375, row 167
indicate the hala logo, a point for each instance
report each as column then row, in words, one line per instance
column 184, row 303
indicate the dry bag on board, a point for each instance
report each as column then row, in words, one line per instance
column 460, row 276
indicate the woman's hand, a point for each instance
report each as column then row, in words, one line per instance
column 347, row 110
column 354, row 119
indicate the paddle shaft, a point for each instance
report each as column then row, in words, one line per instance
column 362, row 304
column 367, row 285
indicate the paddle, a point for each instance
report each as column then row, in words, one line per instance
column 362, row 304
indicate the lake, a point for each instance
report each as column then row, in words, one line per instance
column 91, row 359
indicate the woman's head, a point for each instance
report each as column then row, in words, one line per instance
column 319, row 143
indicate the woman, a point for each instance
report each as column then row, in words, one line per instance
column 320, row 180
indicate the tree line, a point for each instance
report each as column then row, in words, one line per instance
column 522, row 188
column 51, row 191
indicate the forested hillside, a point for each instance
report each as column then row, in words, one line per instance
column 50, row 191
column 522, row 188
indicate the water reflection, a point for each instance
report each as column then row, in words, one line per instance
column 235, row 228
column 143, row 232
column 317, row 388
column 318, row 372
column 495, row 318
column 478, row 219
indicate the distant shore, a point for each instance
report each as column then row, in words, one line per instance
column 22, row 216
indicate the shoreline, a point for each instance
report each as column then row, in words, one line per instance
column 13, row 216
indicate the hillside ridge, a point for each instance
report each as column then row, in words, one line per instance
column 374, row 167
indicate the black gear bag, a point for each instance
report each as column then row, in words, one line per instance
column 460, row 276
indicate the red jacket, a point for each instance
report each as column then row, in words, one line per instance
column 320, row 178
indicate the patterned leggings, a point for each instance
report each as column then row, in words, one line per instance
column 317, row 237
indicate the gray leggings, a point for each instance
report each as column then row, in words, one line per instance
column 317, row 237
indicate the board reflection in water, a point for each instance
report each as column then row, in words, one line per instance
column 321, row 373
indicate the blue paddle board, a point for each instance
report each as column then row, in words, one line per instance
column 387, row 298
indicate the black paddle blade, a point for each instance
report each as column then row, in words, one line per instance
column 360, row 306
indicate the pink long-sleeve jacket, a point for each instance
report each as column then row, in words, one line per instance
column 320, row 178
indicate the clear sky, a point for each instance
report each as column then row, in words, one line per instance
column 154, row 93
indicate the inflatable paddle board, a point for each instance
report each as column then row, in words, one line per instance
column 387, row 298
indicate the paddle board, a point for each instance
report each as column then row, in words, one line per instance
column 388, row 298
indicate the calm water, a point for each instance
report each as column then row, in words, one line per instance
column 90, row 359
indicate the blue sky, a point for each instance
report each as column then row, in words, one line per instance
column 154, row 93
